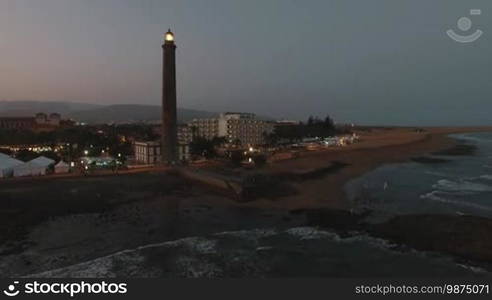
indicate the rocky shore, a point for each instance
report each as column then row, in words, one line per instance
column 464, row 237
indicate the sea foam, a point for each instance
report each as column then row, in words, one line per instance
column 437, row 196
column 450, row 185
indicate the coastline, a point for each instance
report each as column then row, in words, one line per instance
column 109, row 214
column 385, row 146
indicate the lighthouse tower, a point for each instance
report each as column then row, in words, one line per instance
column 169, row 118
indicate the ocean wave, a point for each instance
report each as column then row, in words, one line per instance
column 487, row 177
column 436, row 196
column 311, row 233
column 202, row 257
column 189, row 262
column 474, row 269
column 134, row 261
column 463, row 185
column 439, row 174
column 373, row 241
column 473, row 138
column 432, row 196
column 479, row 178
column 446, row 176
column 249, row 234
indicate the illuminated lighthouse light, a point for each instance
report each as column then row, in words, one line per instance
column 169, row 37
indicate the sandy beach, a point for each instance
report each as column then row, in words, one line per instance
column 377, row 147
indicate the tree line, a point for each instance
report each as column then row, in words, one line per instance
column 313, row 127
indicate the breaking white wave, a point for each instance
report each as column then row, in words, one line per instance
column 472, row 138
column 133, row 262
column 439, row 174
column 249, row 234
column 487, row 177
column 131, row 258
column 432, row 196
column 375, row 242
column 457, row 186
column 189, row 264
column 473, row 268
column 311, row 233
column 435, row 196
column 196, row 244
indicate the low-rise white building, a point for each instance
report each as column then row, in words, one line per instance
column 149, row 153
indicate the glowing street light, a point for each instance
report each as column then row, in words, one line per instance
column 86, row 152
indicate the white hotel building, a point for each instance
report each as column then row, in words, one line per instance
column 243, row 127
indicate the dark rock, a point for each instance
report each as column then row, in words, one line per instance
column 339, row 220
column 464, row 236
column 334, row 167
column 265, row 186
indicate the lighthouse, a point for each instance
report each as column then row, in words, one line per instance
column 169, row 115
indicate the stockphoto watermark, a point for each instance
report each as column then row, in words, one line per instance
column 464, row 25
column 66, row 288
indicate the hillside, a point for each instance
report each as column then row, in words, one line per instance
column 131, row 113
column 94, row 113
column 29, row 108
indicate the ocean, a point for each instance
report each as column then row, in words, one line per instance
column 458, row 185
column 270, row 253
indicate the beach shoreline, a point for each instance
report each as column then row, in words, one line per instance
column 43, row 231
column 375, row 149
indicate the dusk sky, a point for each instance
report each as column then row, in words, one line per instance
column 372, row 62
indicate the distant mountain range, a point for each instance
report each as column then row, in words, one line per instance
column 95, row 114
column 29, row 108
column 132, row 113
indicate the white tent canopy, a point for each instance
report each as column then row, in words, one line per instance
column 43, row 161
column 7, row 164
column 35, row 167
column 29, row 169
column 62, row 167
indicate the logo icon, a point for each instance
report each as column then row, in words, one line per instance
column 11, row 291
column 464, row 24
